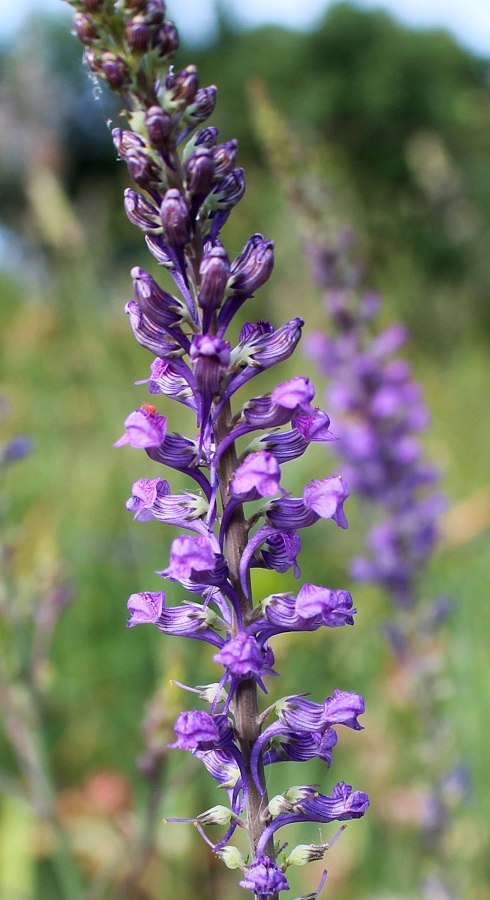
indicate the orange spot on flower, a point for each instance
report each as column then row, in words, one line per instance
column 149, row 408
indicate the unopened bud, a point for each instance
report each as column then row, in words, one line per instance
column 202, row 107
column 228, row 191
column 224, row 158
column 141, row 212
column 85, row 28
column 174, row 212
column 91, row 6
column 166, row 40
column 138, row 33
column 251, row 269
column 116, row 70
column 199, row 171
column 213, row 270
column 159, row 126
column 181, row 88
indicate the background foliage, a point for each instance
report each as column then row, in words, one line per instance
column 400, row 125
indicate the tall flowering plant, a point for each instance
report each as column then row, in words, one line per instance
column 188, row 183
column 381, row 412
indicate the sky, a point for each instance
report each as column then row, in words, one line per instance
column 469, row 21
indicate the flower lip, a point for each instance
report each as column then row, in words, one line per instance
column 144, row 428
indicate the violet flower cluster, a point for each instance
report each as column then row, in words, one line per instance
column 380, row 413
column 187, row 185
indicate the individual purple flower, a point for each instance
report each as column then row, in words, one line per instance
column 196, row 730
column 280, row 551
column 333, row 608
column 190, row 555
column 310, row 805
column 321, row 500
column 144, row 428
column 145, row 608
column 145, row 492
column 326, row 498
column 241, row 656
column 258, row 476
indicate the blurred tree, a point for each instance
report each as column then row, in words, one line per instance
column 404, row 114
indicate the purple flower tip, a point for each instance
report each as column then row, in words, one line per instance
column 144, row 428
column 264, row 878
column 145, row 492
column 259, row 473
column 145, row 608
column 190, row 554
column 194, row 728
column 241, row 656
column 326, row 498
column 293, row 394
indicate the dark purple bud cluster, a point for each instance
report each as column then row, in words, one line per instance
column 188, row 190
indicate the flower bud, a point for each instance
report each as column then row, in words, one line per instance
column 174, row 213
column 199, row 170
column 227, row 192
column 143, row 167
column 251, row 269
column 211, row 358
column 181, row 89
column 206, row 137
column 159, row 127
column 213, row 270
column 138, row 33
column 93, row 61
column 224, row 158
column 157, row 304
column 155, row 11
column 91, row 6
column 116, row 70
column 141, row 212
column 166, row 40
column 202, row 107
column 85, row 28
column 133, row 6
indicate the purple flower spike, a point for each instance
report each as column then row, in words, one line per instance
column 144, row 428
column 264, row 878
column 258, row 476
column 189, row 184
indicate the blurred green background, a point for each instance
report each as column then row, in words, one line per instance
column 400, row 126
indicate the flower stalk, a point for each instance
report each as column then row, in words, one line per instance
column 188, row 184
